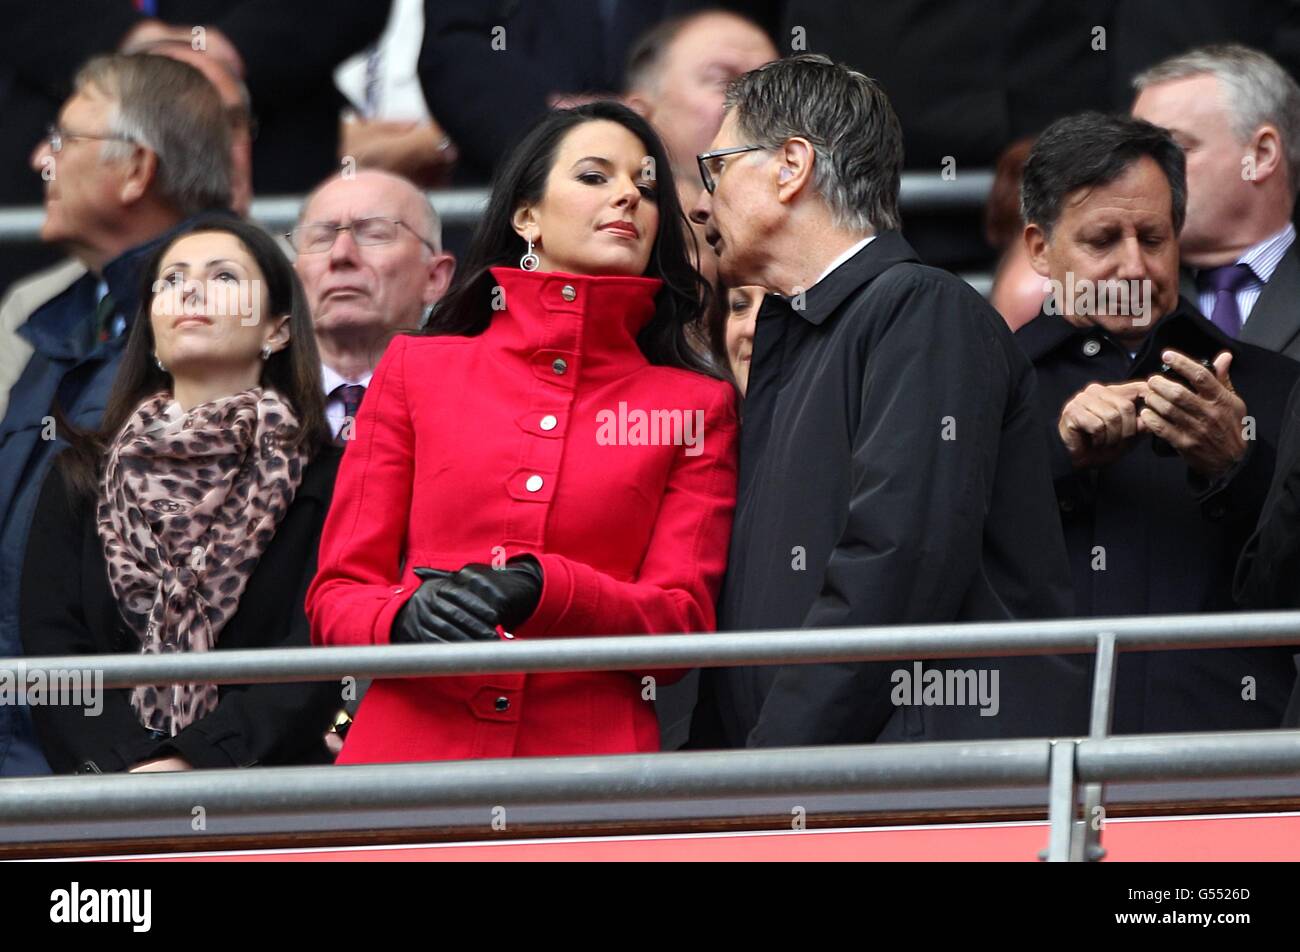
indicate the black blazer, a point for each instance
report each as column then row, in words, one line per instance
column 68, row 608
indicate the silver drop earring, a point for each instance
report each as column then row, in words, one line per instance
column 158, row 362
column 266, row 351
column 530, row 261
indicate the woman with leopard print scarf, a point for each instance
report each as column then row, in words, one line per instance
column 189, row 521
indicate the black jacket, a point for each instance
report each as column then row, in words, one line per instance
column 891, row 472
column 1168, row 541
column 68, row 608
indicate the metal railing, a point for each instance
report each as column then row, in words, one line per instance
column 922, row 192
column 1063, row 765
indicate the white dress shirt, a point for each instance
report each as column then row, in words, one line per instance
column 845, row 257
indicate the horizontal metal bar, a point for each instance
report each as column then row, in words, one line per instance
column 1147, row 757
column 925, row 192
column 530, row 780
column 648, row 652
column 639, row 777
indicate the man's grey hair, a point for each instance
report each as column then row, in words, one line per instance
column 849, row 121
column 171, row 109
column 1256, row 90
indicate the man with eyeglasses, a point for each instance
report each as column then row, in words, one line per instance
column 140, row 149
column 891, row 470
column 370, row 257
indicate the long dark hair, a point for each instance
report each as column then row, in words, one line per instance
column 521, row 179
column 293, row 371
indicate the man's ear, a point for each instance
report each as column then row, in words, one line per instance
column 141, row 169
column 1266, row 151
column 639, row 105
column 794, row 168
column 1035, row 240
column 438, row 274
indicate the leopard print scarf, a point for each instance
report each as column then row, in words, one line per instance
column 188, row 503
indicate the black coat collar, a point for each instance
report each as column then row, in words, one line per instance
column 823, row 298
column 1183, row 329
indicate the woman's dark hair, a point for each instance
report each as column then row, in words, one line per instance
column 293, row 371
column 521, row 179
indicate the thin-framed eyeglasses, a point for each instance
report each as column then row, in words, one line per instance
column 711, row 164
column 56, row 136
column 318, row 237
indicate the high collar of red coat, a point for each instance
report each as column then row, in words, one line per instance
column 599, row 324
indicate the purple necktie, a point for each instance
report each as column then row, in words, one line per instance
column 1225, row 282
column 351, row 395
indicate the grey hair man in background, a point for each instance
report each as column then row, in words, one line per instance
column 1236, row 114
column 140, row 148
column 370, row 258
column 677, row 76
column 891, row 471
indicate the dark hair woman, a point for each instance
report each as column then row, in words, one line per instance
column 550, row 459
column 190, row 520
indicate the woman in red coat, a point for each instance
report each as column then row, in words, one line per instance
column 550, row 459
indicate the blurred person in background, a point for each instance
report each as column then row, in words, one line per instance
column 387, row 123
column 490, row 490
column 189, row 520
column 1018, row 290
column 369, row 253
column 140, row 149
column 677, row 76
column 1236, row 114
column 537, row 55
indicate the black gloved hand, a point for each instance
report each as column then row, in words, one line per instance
column 441, row 610
column 512, row 592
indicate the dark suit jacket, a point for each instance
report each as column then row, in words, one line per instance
column 68, row 608
column 891, row 472
column 1274, row 321
column 1146, row 537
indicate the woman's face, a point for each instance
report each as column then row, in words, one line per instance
column 742, row 311
column 210, row 308
column 599, row 213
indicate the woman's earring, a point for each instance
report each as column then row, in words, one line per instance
column 530, row 261
column 158, row 362
column 266, row 351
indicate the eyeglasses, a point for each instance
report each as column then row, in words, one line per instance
column 318, row 237
column 57, row 137
column 711, row 164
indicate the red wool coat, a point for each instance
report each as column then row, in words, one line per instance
column 548, row 434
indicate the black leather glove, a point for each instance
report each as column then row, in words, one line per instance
column 441, row 610
column 512, row 592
